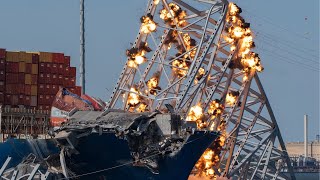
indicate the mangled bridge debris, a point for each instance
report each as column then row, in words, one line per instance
column 149, row 135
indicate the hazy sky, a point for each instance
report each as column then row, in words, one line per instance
column 287, row 39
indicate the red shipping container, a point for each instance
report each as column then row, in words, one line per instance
column 27, row 100
column 72, row 82
column 67, row 60
column 47, row 89
column 54, row 79
column 27, row 89
column 28, row 68
column 54, row 89
column 12, row 78
column 41, row 78
column 61, row 69
column 9, row 89
column 12, row 67
column 66, row 82
column 48, row 67
column 54, row 68
column 1, row 98
column 42, row 67
column 66, row 71
column 41, row 89
column 8, row 99
column 2, row 53
column 2, row 86
column 60, row 80
column 21, row 89
column 2, row 75
column 34, row 79
column 41, row 99
column 35, row 58
column 15, row 88
column 2, row 64
column 47, row 108
column 58, row 57
column 78, row 90
column 21, row 78
column 21, row 99
column 72, row 72
column 48, row 78
column 11, row 99
column 52, row 97
column 72, row 90
column 47, row 99
column 15, row 100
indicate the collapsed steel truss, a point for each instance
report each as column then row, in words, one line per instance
column 254, row 148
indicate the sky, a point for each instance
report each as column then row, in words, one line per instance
column 286, row 36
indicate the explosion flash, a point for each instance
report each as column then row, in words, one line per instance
column 239, row 34
column 153, row 84
column 196, row 114
column 137, row 55
column 148, row 25
column 231, row 97
column 142, row 107
column 133, row 98
column 211, row 157
column 205, row 163
column 199, row 75
column 215, row 108
column 189, row 44
column 156, row 2
column 180, row 67
column 174, row 15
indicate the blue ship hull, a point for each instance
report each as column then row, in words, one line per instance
column 20, row 148
column 108, row 157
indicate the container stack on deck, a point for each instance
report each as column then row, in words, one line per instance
column 32, row 79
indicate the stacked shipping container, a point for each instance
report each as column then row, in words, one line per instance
column 33, row 79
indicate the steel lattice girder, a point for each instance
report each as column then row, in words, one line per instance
column 253, row 132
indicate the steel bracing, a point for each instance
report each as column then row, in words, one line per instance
column 254, row 147
column 28, row 169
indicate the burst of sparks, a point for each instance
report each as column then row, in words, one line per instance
column 239, row 34
column 147, row 24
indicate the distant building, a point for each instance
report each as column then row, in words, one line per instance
column 296, row 149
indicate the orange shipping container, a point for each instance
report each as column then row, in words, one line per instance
column 12, row 56
column 34, row 68
column 25, row 57
column 45, row 57
column 34, row 90
column 22, row 67
column 27, row 79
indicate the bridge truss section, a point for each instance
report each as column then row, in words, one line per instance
column 192, row 56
